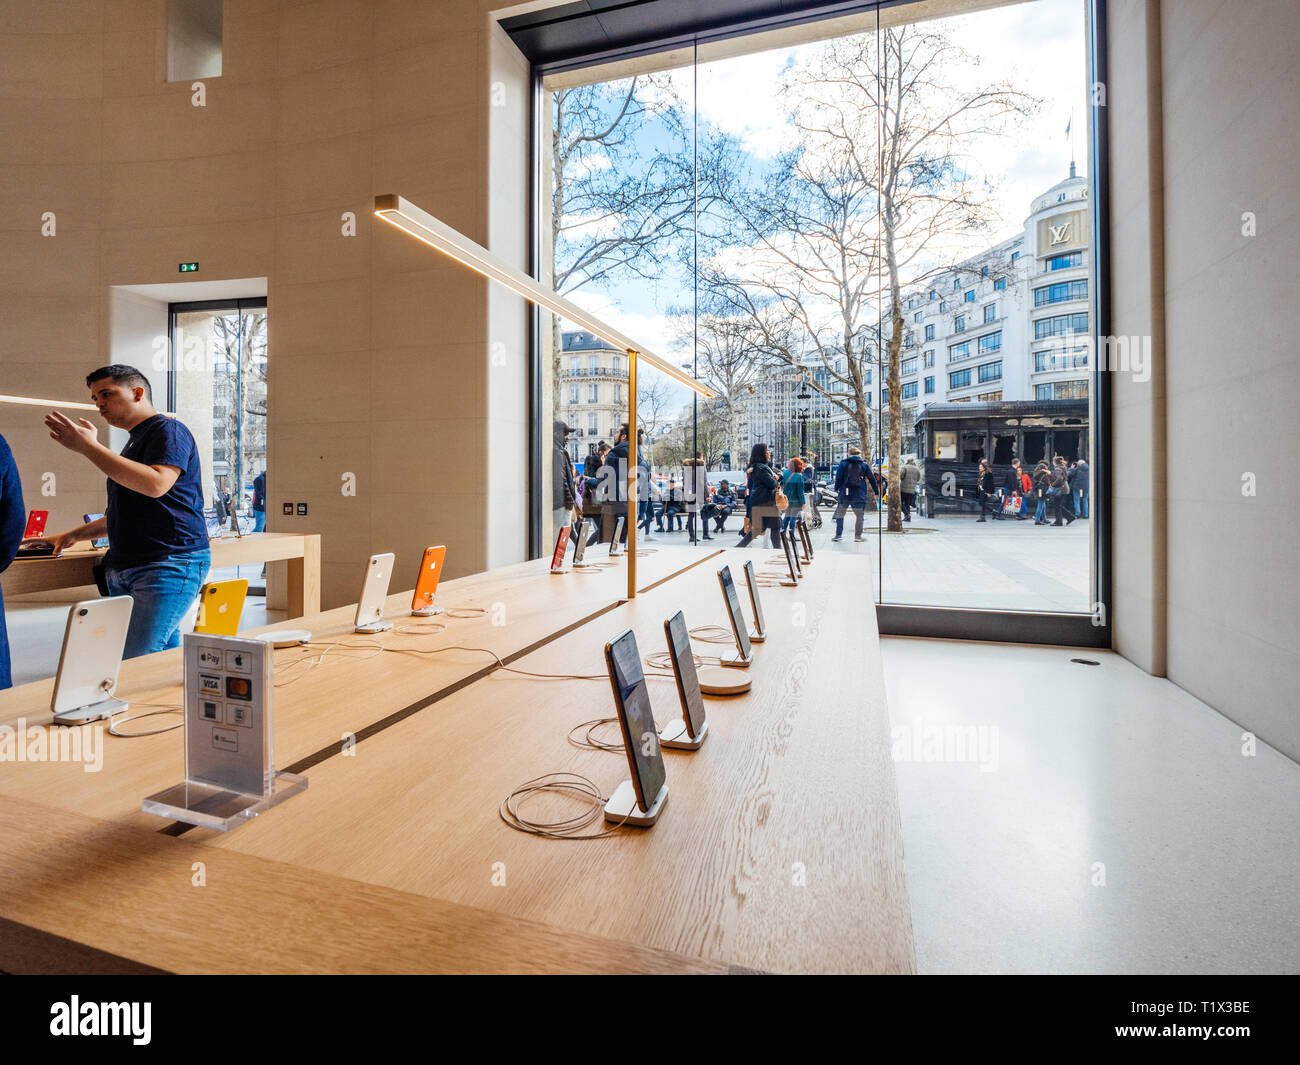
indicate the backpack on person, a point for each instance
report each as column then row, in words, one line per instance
column 853, row 475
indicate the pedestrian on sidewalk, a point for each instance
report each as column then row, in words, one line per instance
column 1042, row 484
column 854, row 482
column 908, row 481
column 760, row 498
column 987, row 491
column 1059, row 493
column 793, row 484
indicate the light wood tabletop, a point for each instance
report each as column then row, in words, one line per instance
column 82, row 895
column 780, row 848
column 334, row 691
column 74, row 567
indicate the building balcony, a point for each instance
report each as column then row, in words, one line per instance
column 600, row 372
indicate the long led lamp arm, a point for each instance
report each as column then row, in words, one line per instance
column 30, row 401
column 424, row 227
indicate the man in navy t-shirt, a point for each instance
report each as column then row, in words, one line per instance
column 157, row 538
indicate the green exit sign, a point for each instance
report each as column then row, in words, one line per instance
column 189, row 268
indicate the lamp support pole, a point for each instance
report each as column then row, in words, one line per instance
column 633, row 457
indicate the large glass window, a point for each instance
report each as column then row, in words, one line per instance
column 1065, row 261
column 1060, row 325
column 771, row 213
column 1059, row 293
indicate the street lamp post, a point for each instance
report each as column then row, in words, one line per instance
column 804, row 397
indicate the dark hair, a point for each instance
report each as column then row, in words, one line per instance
column 757, row 454
column 122, row 375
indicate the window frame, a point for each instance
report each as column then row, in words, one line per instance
column 1044, row 627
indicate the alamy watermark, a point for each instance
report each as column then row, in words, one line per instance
column 919, row 742
column 38, row 743
column 1110, row 354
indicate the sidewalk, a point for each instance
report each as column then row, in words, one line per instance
column 960, row 562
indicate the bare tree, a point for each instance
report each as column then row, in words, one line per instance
column 878, row 194
column 654, row 394
column 707, row 434
column 620, row 202
column 240, row 390
column 731, row 355
column 910, row 84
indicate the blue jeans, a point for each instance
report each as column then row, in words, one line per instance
column 163, row 593
column 259, row 521
column 1081, row 504
column 1040, row 510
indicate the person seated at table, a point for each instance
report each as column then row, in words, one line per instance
column 13, row 522
column 157, row 539
column 723, row 500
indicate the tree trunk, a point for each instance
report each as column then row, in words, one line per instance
column 894, row 497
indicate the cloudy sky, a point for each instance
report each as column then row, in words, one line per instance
column 1038, row 46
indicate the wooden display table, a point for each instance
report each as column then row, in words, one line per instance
column 780, row 848
column 74, row 568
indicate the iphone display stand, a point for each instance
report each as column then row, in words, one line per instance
column 230, row 774
column 374, row 626
column 757, row 637
column 714, row 681
column 426, row 611
column 738, row 662
column 622, row 807
column 83, row 715
column 675, row 737
column 285, row 637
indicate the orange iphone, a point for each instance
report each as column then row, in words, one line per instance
column 426, row 584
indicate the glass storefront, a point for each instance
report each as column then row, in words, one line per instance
column 874, row 242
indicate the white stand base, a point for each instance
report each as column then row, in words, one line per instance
column 285, row 637
column 675, row 736
column 739, row 663
column 622, row 807
column 562, row 569
column 94, row 712
column 757, row 637
column 714, row 681
column 374, row 626
column 209, row 806
column 426, row 611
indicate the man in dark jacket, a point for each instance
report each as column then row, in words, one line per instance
column 1079, row 488
column 854, row 482
column 909, row 479
column 13, row 521
column 614, row 482
column 564, row 489
column 591, row 507
column 723, row 500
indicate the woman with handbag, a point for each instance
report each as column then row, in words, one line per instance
column 1059, row 493
column 1042, row 481
column 762, row 498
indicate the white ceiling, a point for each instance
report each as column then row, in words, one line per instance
column 188, row 291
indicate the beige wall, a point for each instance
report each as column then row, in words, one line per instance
column 379, row 359
column 1227, row 144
